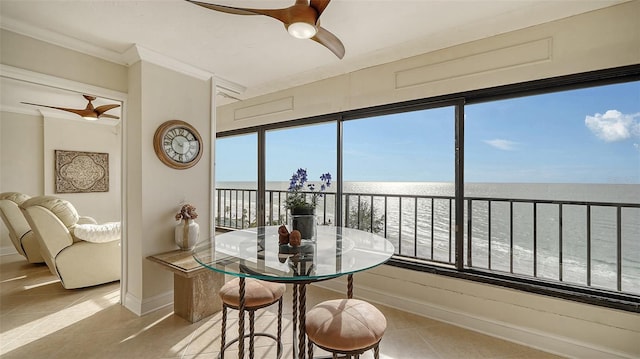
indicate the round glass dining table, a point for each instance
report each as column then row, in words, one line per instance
column 256, row 253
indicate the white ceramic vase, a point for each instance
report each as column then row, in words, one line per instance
column 186, row 234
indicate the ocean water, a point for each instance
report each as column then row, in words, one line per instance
column 424, row 229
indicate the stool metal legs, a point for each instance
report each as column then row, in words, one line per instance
column 252, row 334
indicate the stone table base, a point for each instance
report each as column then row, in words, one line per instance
column 195, row 288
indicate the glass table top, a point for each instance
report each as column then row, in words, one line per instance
column 255, row 253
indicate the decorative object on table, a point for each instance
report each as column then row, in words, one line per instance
column 186, row 233
column 283, row 235
column 295, row 238
column 302, row 210
column 177, row 144
column 81, row 172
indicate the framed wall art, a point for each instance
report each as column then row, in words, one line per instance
column 81, row 172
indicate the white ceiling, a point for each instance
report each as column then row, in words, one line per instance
column 256, row 52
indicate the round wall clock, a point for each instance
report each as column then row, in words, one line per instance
column 177, row 144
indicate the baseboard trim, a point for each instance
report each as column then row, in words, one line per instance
column 8, row 250
column 149, row 305
column 521, row 335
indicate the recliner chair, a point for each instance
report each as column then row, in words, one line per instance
column 77, row 262
column 23, row 238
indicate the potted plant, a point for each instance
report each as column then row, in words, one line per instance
column 302, row 199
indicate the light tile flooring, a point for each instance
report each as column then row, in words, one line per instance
column 40, row 319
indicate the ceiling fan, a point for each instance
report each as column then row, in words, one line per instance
column 88, row 113
column 302, row 20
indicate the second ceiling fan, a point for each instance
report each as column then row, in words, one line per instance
column 302, row 20
column 88, row 113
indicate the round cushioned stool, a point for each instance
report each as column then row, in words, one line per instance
column 258, row 294
column 345, row 326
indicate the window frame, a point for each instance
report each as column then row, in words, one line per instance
column 563, row 290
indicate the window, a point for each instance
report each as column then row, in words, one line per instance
column 570, row 160
column 550, row 200
column 399, row 179
column 236, row 176
column 311, row 147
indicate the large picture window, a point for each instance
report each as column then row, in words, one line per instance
column 532, row 185
column 236, row 176
column 399, row 179
column 310, row 147
column 550, row 176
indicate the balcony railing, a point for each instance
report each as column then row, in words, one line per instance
column 590, row 244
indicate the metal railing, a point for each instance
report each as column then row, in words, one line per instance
column 582, row 243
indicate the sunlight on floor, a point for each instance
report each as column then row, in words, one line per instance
column 12, row 279
column 62, row 318
column 134, row 335
column 41, row 319
column 27, row 287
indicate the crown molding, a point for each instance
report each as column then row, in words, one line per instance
column 139, row 53
column 57, row 82
column 132, row 55
column 60, row 40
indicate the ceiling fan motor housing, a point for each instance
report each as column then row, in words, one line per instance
column 302, row 22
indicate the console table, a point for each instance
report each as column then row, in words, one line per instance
column 194, row 286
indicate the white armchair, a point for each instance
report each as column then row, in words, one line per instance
column 20, row 233
column 77, row 262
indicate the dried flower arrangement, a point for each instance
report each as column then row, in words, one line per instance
column 187, row 212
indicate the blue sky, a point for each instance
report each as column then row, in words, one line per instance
column 579, row 136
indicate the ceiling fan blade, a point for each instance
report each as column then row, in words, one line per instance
column 330, row 41
column 278, row 14
column 319, row 5
column 104, row 108
column 106, row 115
column 82, row 112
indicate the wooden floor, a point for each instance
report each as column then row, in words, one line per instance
column 40, row 319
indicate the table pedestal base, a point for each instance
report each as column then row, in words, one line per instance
column 194, row 298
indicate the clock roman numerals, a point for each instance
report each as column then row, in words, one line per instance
column 178, row 144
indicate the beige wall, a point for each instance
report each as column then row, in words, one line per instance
column 601, row 39
column 155, row 191
column 29, row 141
column 38, row 56
column 28, row 161
column 598, row 40
column 80, row 135
column 21, row 160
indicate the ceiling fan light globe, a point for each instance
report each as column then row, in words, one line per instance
column 90, row 117
column 302, row 30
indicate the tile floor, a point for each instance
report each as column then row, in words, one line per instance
column 40, row 319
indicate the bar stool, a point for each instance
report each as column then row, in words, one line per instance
column 345, row 326
column 258, row 294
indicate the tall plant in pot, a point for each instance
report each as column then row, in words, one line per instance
column 302, row 199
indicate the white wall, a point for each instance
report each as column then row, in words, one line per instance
column 597, row 40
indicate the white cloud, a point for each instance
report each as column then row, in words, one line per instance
column 614, row 125
column 501, row 144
